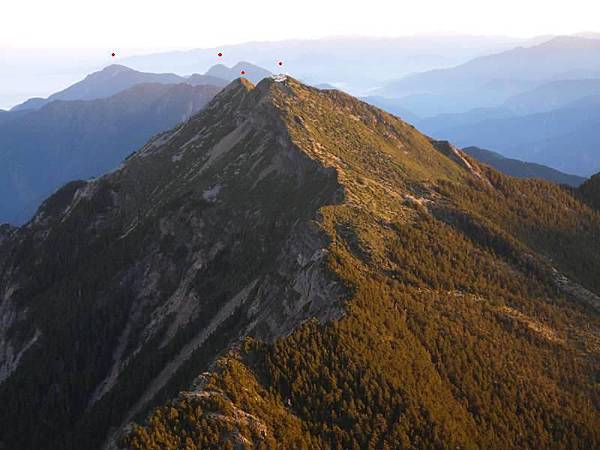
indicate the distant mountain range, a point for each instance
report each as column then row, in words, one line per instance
column 490, row 80
column 545, row 98
column 553, row 95
column 355, row 64
column 116, row 78
column 105, row 83
column 565, row 139
column 538, row 103
column 64, row 140
column 338, row 61
column 522, row 169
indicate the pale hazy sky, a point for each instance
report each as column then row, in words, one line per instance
column 154, row 25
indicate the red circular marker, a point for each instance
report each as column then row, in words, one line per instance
column 113, row 54
column 280, row 63
column 243, row 72
column 219, row 54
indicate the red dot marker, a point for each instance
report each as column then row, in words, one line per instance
column 219, row 54
column 280, row 63
column 243, row 72
column 113, row 54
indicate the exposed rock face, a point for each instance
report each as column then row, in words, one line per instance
column 11, row 352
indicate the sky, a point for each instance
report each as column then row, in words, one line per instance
column 155, row 25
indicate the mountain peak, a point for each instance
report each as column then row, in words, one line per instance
column 241, row 83
column 246, row 65
column 312, row 119
column 111, row 71
column 117, row 68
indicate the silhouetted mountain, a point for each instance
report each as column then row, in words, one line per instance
column 339, row 61
column 64, row 140
column 105, row 83
column 522, row 169
column 292, row 268
column 564, row 139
